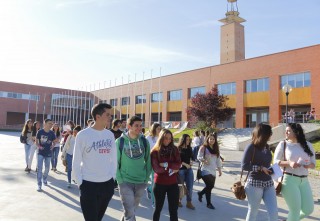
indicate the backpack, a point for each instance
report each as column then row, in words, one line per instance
column 144, row 141
column 23, row 139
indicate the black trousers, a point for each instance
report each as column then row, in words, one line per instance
column 94, row 198
column 160, row 192
column 209, row 180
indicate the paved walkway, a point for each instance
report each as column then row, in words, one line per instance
column 19, row 199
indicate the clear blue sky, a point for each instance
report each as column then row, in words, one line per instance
column 77, row 43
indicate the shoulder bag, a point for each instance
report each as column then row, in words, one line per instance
column 278, row 185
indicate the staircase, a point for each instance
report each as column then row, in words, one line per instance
column 231, row 137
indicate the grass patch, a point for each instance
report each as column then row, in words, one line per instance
column 316, row 146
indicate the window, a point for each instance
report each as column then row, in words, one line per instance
column 175, row 116
column 19, row 96
column 175, row 95
column 140, row 99
column 114, row 102
column 125, row 101
column 256, row 85
column 296, row 80
column 225, row 89
column 193, row 91
column 156, row 97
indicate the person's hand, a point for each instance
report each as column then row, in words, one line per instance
column 175, row 171
column 294, row 164
column 266, row 170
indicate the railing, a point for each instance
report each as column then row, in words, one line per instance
column 299, row 118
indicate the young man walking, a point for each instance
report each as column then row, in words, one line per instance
column 45, row 142
column 94, row 164
column 134, row 167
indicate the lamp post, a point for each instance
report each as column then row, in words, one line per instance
column 287, row 88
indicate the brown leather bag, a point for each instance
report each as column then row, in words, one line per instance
column 278, row 185
column 238, row 188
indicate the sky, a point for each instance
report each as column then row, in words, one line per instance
column 81, row 44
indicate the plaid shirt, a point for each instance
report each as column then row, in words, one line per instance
column 259, row 183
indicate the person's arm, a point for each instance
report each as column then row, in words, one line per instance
column 38, row 141
column 156, row 165
column 118, row 173
column 246, row 163
column 312, row 164
column 176, row 164
column 148, row 162
column 219, row 165
column 77, row 159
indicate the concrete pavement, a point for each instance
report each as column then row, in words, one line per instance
column 19, row 199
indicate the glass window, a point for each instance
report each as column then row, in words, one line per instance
column 125, row 101
column 225, row 89
column 175, row 116
column 248, row 86
column 156, row 97
column 306, row 79
column 257, row 85
column 254, row 86
column 140, row 99
column 114, row 102
column 175, row 95
column 296, row 80
column 195, row 90
column 266, row 84
column 260, row 84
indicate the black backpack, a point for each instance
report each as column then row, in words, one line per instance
column 23, row 139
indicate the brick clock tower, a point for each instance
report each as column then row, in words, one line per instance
column 232, row 35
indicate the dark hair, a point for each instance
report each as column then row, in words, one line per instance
column 159, row 142
column 183, row 141
column 260, row 135
column 71, row 124
column 58, row 131
column 215, row 149
column 203, row 133
column 99, row 109
column 34, row 128
column 196, row 133
column 123, row 119
column 133, row 119
column 153, row 129
column 77, row 128
column 25, row 127
column 115, row 122
column 89, row 121
column 298, row 132
column 47, row 120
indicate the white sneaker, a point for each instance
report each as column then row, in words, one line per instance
column 39, row 189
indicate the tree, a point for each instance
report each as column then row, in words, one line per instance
column 210, row 108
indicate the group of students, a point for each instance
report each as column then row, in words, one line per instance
column 101, row 156
column 295, row 156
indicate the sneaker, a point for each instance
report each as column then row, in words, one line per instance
column 45, row 183
column 69, row 185
column 148, row 194
column 39, row 189
column 55, row 169
column 26, row 169
column 210, row 206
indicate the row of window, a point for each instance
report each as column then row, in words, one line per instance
column 14, row 95
column 262, row 84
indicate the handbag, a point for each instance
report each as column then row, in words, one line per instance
column 237, row 188
column 182, row 190
column 199, row 174
column 278, row 185
column 23, row 139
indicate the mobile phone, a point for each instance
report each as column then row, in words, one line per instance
column 271, row 169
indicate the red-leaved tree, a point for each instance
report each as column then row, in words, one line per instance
column 210, row 108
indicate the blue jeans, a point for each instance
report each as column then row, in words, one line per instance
column 46, row 161
column 27, row 148
column 69, row 163
column 187, row 177
column 254, row 195
column 54, row 158
column 130, row 194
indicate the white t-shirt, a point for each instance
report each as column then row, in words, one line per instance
column 94, row 156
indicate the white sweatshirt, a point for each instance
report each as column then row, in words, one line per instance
column 94, row 156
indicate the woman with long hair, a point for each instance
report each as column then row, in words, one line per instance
column 35, row 127
column 152, row 139
column 27, row 133
column 185, row 171
column 259, row 185
column 165, row 160
column 55, row 149
column 298, row 158
column 209, row 156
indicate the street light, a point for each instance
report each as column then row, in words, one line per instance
column 287, row 88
